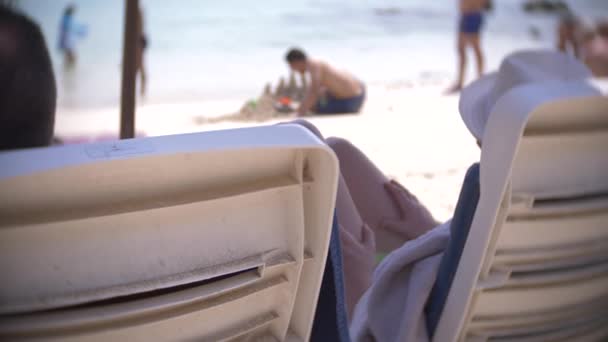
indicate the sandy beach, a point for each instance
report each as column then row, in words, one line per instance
column 414, row 135
column 197, row 72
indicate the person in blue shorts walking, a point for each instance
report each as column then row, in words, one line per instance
column 469, row 30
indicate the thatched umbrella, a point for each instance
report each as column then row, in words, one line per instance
column 129, row 69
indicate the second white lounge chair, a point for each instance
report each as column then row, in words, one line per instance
column 534, row 266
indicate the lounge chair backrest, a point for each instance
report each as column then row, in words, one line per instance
column 535, row 263
column 209, row 236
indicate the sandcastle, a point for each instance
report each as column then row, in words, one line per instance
column 292, row 89
column 272, row 103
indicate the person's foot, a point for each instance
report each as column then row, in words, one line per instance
column 456, row 88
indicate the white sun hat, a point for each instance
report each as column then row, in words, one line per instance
column 517, row 69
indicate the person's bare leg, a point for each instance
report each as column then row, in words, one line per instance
column 357, row 239
column 348, row 215
column 69, row 58
column 358, row 248
column 394, row 214
column 365, row 182
column 562, row 35
column 462, row 65
column 362, row 181
column 142, row 80
column 142, row 75
column 475, row 42
column 391, row 212
column 308, row 125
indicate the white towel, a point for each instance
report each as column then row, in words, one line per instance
column 392, row 309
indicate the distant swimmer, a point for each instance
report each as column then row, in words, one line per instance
column 469, row 31
column 331, row 91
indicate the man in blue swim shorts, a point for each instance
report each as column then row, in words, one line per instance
column 469, row 29
column 331, row 91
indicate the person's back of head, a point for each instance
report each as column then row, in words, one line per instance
column 69, row 10
column 27, row 84
column 296, row 58
column 295, row 55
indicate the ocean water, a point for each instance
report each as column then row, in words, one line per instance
column 206, row 50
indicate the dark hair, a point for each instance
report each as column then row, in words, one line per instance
column 28, row 93
column 294, row 55
column 69, row 10
column 489, row 6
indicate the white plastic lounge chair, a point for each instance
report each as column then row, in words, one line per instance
column 210, row 236
column 535, row 262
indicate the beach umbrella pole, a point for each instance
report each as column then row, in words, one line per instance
column 129, row 70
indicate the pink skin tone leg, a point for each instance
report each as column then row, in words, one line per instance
column 374, row 214
column 392, row 212
column 378, row 201
column 357, row 240
column 358, row 248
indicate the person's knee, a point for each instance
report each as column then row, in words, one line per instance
column 462, row 47
column 307, row 125
column 461, row 43
column 340, row 146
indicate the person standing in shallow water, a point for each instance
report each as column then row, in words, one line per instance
column 469, row 33
column 141, row 49
column 69, row 33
